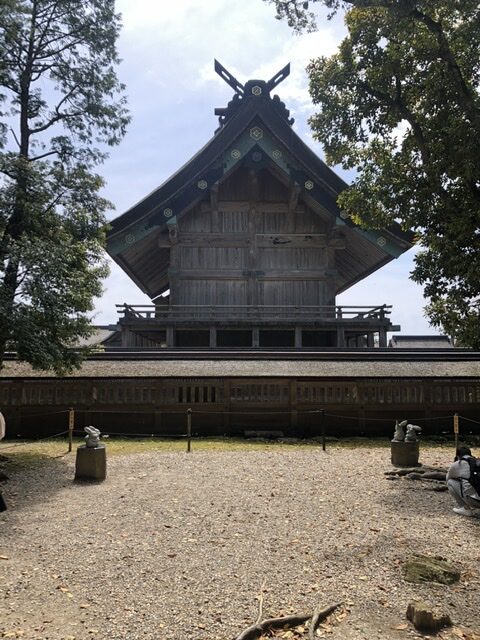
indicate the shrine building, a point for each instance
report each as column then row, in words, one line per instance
column 245, row 246
column 243, row 253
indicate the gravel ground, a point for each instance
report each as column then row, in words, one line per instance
column 175, row 546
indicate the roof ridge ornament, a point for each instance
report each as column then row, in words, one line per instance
column 251, row 89
column 229, row 79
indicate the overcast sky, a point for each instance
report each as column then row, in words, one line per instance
column 168, row 51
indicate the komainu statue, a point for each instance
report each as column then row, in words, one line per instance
column 92, row 438
column 399, row 435
column 413, row 431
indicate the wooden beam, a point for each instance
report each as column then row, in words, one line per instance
column 243, row 205
column 214, row 239
column 293, row 194
column 292, row 240
column 245, row 274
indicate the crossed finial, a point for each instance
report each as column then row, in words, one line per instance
column 239, row 88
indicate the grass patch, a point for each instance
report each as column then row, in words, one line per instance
column 32, row 452
column 54, row 448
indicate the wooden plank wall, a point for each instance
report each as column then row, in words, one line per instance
column 252, row 245
column 230, row 405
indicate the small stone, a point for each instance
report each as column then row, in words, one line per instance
column 421, row 568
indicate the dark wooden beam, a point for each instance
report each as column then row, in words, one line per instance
column 293, row 194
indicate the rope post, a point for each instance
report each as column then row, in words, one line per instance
column 322, row 419
column 71, row 423
column 189, row 430
column 456, row 429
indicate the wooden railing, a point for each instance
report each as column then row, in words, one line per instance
column 145, row 312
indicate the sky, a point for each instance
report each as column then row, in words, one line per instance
column 168, row 51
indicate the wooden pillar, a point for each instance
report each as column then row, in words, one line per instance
column 361, row 420
column 255, row 337
column 340, row 336
column 170, row 337
column 370, row 340
column 382, row 337
column 125, row 337
column 226, row 406
column 213, row 337
column 298, row 337
column 293, row 408
column 157, row 421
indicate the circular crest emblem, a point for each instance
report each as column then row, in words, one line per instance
column 309, row 185
column 202, row 184
column 256, row 90
column 168, row 213
column 256, row 133
column 381, row 241
column 236, row 154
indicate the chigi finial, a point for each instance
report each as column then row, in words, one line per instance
column 251, row 89
column 240, row 88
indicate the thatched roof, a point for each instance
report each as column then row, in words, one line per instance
column 105, row 368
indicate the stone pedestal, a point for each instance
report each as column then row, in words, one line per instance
column 405, row 454
column 91, row 463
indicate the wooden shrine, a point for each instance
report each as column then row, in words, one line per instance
column 242, row 253
column 245, row 245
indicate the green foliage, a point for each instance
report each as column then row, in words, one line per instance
column 62, row 105
column 399, row 102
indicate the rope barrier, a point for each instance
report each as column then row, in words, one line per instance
column 50, row 413
column 138, row 435
column 22, row 444
column 336, row 415
column 469, row 419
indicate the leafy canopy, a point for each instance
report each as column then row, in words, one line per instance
column 61, row 106
column 399, row 102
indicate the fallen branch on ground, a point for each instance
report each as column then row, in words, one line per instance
column 255, row 631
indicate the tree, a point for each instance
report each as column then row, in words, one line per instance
column 399, row 102
column 61, row 106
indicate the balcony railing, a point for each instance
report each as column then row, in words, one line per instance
column 165, row 312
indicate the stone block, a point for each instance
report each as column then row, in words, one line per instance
column 422, row 568
column 405, row 454
column 91, row 463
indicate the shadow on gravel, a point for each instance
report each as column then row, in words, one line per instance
column 32, row 478
column 419, row 500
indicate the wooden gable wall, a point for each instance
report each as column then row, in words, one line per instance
column 252, row 243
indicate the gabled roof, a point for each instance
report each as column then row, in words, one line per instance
column 255, row 129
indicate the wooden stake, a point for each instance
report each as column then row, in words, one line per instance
column 324, row 443
column 189, row 429
column 71, row 423
column 456, row 429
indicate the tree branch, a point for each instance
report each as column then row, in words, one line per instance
column 398, row 105
column 43, row 155
column 469, row 102
column 12, row 131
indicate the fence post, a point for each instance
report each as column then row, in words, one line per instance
column 322, row 418
column 189, row 429
column 456, row 429
column 71, row 423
